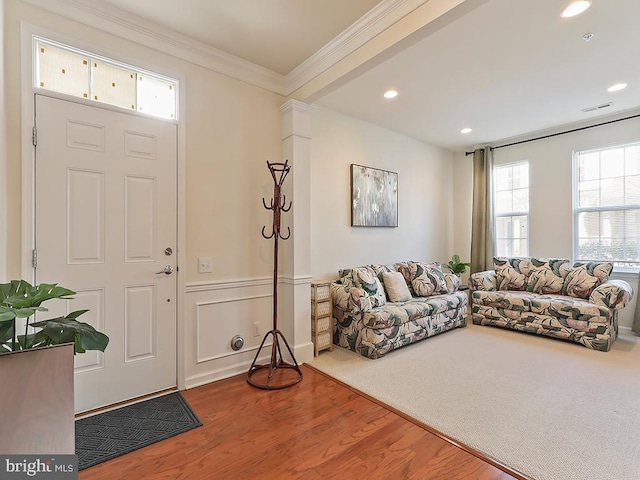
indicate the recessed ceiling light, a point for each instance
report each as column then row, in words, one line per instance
column 616, row 87
column 466, row 130
column 390, row 94
column 576, row 8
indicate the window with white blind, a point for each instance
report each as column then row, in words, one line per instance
column 67, row 70
column 607, row 205
column 511, row 209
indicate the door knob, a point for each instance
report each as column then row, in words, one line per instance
column 168, row 270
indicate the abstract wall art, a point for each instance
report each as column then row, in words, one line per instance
column 374, row 197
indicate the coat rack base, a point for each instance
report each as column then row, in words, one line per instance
column 277, row 373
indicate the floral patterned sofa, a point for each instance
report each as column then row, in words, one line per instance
column 551, row 296
column 379, row 308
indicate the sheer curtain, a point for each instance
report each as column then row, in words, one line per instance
column 482, row 212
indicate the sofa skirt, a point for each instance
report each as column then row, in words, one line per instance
column 377, row 342
column 598, row 336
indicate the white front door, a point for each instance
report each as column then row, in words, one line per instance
column 105, row 227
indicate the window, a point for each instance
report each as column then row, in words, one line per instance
column 607, row 205
column 73, row 72
column 511, row 209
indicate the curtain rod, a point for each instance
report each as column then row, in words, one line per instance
column 559, row 133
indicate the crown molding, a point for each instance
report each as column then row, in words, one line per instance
column 133, row 28
column 374, row 22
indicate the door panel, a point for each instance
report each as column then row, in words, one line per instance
column 105, row 212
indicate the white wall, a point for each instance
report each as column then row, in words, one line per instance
column 550, row 194
column 229, row 129
column 425, row 179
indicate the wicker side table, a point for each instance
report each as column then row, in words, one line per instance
column 321, row 317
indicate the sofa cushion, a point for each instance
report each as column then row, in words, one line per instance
column 583, row 278
column 516, row 301
column 512, row 273
column 546, row 275
column 396, row 287
column 366, row 279
column 427, row 279
column 403, row 268
column 570, row 308
column 395, row 314
column 380, row 269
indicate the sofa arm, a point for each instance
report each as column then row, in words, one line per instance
column 612, row 294
column 347, row 299
column 487, row 280
column 452, row 281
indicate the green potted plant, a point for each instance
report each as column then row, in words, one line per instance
column 21, row 300
column 456, row 266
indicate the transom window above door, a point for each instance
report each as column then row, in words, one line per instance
column 74, row 72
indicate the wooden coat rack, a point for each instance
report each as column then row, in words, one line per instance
column 290, row 373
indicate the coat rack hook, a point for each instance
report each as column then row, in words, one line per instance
column 272, row 380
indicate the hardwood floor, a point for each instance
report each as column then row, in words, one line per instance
column 318, row 429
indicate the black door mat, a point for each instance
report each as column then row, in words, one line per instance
column 111, row 434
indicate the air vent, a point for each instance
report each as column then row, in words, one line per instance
column 597, row 107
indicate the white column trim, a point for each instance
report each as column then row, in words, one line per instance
column 371, row 24
column 4, row 214
column 298, row 106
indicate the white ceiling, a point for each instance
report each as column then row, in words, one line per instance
column 275, row 34
column 506, row 68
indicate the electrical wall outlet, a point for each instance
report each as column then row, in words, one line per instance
column 256, row 329
column 205, row 264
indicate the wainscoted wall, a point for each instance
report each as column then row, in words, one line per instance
column 217, row 311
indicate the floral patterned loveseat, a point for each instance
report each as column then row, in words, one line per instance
column 552, row 297
column 370, row 323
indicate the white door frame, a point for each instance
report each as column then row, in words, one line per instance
column 27, row 95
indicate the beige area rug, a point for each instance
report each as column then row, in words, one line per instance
column 549, row 409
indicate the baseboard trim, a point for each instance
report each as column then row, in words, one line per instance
column 626, row 330
column 229, row 371
column 304, row 353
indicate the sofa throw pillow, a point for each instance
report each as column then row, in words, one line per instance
column 547, row 275
column 583, row 278
column 366, row 279
column 380, row 269
column 512, row 273
column 346, row 277
column 403, row 268
column 427, row 279
column 396, row 287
